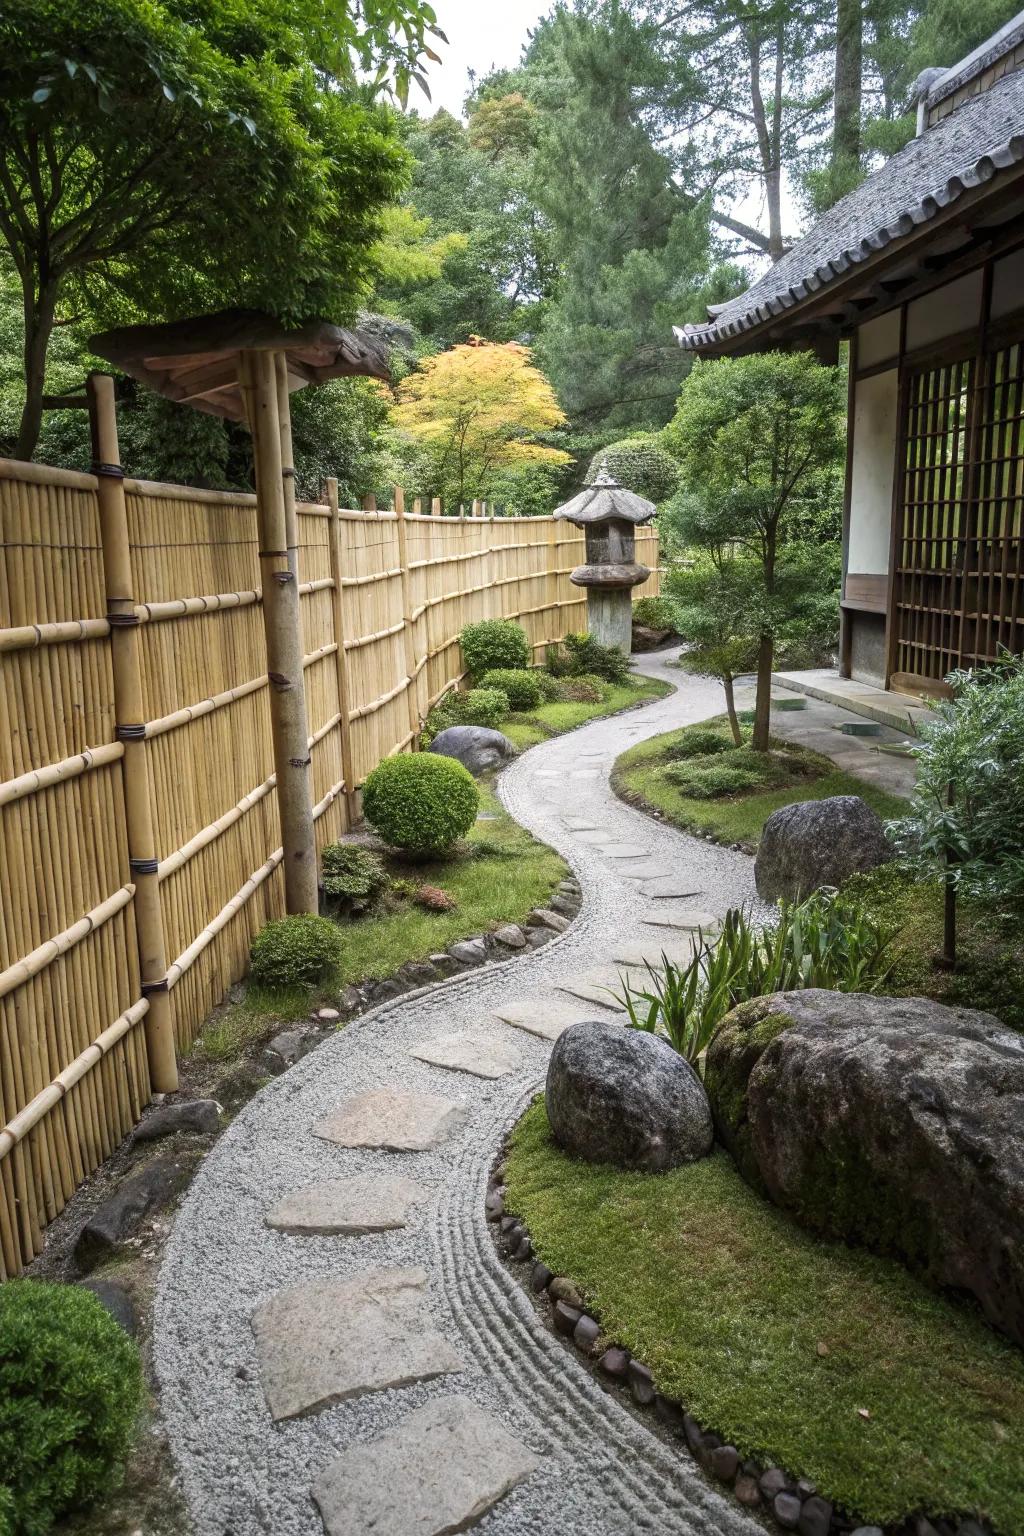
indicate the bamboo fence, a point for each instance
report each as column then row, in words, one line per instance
column 99, row 813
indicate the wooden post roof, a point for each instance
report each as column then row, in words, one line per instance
column 196, row 361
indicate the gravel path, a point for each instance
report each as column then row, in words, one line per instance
column 598, row 1471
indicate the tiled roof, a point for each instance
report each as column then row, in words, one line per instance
column 978, row 141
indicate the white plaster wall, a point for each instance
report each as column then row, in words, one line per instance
column 946, row 311
column 878, row 340
column 872, row 469
column 1008, row 284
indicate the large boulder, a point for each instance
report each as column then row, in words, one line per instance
column 474, row 746
column 815, row 843
column 617, row 1095
column 894, row 1122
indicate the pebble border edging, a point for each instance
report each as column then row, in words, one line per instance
column 794, row 1504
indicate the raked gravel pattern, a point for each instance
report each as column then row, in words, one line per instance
column 599, row 1470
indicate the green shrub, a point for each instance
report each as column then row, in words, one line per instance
column 700, row 741
column 656, row 613
column 297, row 951
column 494, row 643
column 423, row 803
column 521, row 688
column 582, row 690
column 70, row 1392
column 548, row 686
column 592, row 659
column 353, row 877
column 480, row 706
column 703, row 780
column 640, row 464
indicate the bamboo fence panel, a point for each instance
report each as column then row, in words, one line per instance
column 380, row 647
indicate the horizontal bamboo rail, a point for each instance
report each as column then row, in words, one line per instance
column 379, row 647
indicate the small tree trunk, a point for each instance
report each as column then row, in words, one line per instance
column 848, row 78
column 949, row 904
column 38, row 329
column 730, row 707
column 763, row 702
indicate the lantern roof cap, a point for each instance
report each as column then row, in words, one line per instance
column 606, row 501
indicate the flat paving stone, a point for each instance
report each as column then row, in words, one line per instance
column 623, row 851
column 439, row 1470
column 330, row 1339
column 644, row 871
column 592, row 836
column 542, row 1016
column 366, row 1202
column 691, row 920
column 393, row 1120
column 593, row 989
column 638, row 956
column 477, row 1054
column 579, row 824
column 662, row 890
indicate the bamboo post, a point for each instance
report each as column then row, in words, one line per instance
column 369, row 502
column 435, row 507
column 283, row 631
column 344, row 688
column 284, row 421
column 408, row 640
column 126, row 666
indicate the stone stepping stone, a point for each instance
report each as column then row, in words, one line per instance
column 585, row 773
column 665, row 890
column 623, row 851
column 545, row 1016
column 592, row 836
column 439, row 1470
column 593, row 989
column 478, row 1054
column 579, row 824
column 642, row 872
column 330, row 1339
column 391, row 1119
column 689, row 920
column 367, row 1202
column 639, row 956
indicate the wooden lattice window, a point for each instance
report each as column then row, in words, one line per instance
column 993, row 556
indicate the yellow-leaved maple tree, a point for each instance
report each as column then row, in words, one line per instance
column 477, row 409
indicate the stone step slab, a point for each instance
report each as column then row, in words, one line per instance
column 639, row 956
column 667, row 890
column 392, row 1120
column 683, row 920
column 439, row 1470
column 480, row 1055
column 593, row 988
column 544, row 1015
column 623, row 851
column 329, row 1339
column 347, row 1207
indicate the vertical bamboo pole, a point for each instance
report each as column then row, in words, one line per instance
column 129, row 715
column 408, row 640
column 436, row 509
column 344, row 687
column 369, row 502
column 282, row 628
column 284, row 422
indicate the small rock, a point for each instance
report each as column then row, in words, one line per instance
column 349, row 1001
column 511, row 935
column 507, row 1223
column 543, row 917
column 327, row 1015
column 815, row 1517
column 117, row 1218
column 537, row 937
column 787, row 1507
column 494, row 1205
column 773, row 1481
column 562, row 1289
column 694, row 1434
column 670, row 1413
column 418, row 973
column 586, row 1333
column 384, row 991
column 524, row 1250
column 469, row 951
column 566, row 906
column 872, row 1530
column 614, row 1362
column 474, row 746
column 116, row 1300
column 922, row 1526
column 805, row 1488
column 565, row 1318
column 201, row 1117
column 746, row 1490
column 286, row 1049
column 541, row 1278
column 514, row 1235
column 568, row 887
column 725, row 1462
column 641, row 1382
column 444, row 963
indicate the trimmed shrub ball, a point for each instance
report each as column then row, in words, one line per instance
column 70, row 1391
column 423, row 803
column 301, row 950
column 353, row 877
column 520, row 688
column 494, row 643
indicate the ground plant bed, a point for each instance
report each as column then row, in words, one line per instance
column 829, row 1388
column 527, row 729
column 647, row 776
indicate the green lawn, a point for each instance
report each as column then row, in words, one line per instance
column 777, row 1341
column 526, row 730
column 639, row 777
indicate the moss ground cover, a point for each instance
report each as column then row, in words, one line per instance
column 831, row 1362
column 644, row 777
column 526, row 729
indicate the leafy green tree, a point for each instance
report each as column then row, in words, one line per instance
column 157, row 157
column 640, row 464
column 760, row 440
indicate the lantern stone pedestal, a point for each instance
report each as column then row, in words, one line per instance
column 609, row 514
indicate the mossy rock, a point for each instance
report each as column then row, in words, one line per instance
column 741, row 1040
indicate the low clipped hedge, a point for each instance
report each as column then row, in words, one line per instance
column 423, row 803
column 70, row 1393
column 301, row 950
column 494, row 643
column 522, row 689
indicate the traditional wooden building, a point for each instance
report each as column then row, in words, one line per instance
column 921, row 269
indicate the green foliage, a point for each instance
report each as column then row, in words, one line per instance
column 70, row 1393
column 353, row 877
column 492, row 644
column 298, row 951
column 582, row 690
column 698, row 741
column 423, row 803
column 730, row 770
column 583, row 656
column 479, row 706
column 713, row 780
column 547, row 685
column 973, row 744
column 656, row 613
column 520, row 687
column 641, row 465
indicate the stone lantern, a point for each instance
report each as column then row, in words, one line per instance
column 608, row 514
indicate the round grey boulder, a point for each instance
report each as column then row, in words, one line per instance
column 474, row 746
column 618, row 1095
column 817, row 843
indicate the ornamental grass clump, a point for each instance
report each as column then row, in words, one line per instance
column 423, row 803
column 353, row 877
column 494, row 643
column 70, row 1392
column 522, row 689
column 299, row 951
